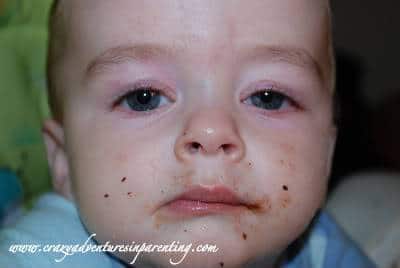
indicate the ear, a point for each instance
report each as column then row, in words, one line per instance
column 53, row 135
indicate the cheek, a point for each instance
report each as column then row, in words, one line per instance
column 303, row 163
column 114, row 184
column 292, row 169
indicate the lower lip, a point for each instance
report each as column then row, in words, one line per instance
column 198, row 208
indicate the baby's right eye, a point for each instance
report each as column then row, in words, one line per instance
column 143, row 99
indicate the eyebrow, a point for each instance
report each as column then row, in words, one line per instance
column 125, row 53
column 146, row 52
column 287, row 54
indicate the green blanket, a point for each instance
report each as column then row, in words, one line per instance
column 23, row 101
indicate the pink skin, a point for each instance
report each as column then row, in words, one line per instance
column 251, row 151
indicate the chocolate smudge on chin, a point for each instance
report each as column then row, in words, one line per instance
column 244, row 235
column 260, row 206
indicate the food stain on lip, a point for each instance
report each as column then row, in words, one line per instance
column 190, row 208
column 202, row 201
column 262, row 205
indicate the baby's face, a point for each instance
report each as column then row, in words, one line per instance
column 227, row 139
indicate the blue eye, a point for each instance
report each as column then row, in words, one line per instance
column 268, row 99
column 143, row 99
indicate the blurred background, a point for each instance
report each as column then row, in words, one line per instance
column 367, row 41
column 364, row 192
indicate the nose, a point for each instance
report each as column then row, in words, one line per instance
column 208, row 133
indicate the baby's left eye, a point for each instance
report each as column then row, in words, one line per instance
column 268, row 99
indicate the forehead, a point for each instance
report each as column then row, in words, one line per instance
column 203, row 28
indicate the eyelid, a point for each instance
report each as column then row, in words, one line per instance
column 273, row 86
column 259, row 86
column 151, row 84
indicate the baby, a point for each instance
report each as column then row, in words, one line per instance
column 202, row 122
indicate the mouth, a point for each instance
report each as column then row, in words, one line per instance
column 200, row 200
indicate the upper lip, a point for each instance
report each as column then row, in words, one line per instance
column 212, row 194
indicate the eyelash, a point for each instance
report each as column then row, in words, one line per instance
column 151, row 86
column 123, row 98
column 161, row 92
column 270, row 90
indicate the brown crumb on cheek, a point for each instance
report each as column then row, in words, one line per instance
column 130, row 194
column 221, row 264
column 185, row 230
column 287, row 148
column 285, row 203
column 285, row 188
column 288, row 165
column 106, row 195
column 244, row 235
column 123, row 179
column 285, row 200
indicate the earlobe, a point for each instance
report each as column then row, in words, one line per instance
column 53, row 135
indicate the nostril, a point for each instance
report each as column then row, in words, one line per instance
column 193, row 147
column 228, row 148
column 196, row 145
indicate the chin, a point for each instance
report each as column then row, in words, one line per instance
column 231, row 258
column 230, row 253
